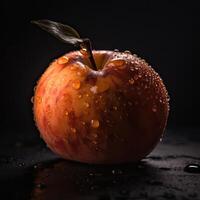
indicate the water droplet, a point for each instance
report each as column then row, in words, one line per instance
column 32, row 99
column 95, row 123
column 115, row 107
column 94, row 89
column 62, row 60
column 105, row 111
column 116, row 50
column 192, row 168
column 127, row 51
column 79, row 96
column 161, row 139
column 78, row 73
column 87, row 105
column 66, row 113
column 140, row 76
column 83, row 123
column 154, row 109
column 135, row 77
column 132, row 68
column 117, row 63
column 73, row 130
column 94, row 142
column 76, row 84
column 84, row 51
column 87, row 95
column 41, row 186
column 113, row 171
column 131, row 81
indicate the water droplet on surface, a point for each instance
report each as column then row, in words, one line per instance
column 87, row 105
column 95, row 123
column 115, row 107
column 94, row 89
column 135, row 77
column 127, row 51
column 32, row 99
column 62, row 60
column 41, row 186
column 73, row 130
column 79, row 96
column 66, row 113
column 83, row 123
column 131, row 81
column 192, row 168
column 78, row 73
column 154, row 108
column 116, row 50
column 76, row 84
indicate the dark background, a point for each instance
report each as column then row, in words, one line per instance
column 165, row 33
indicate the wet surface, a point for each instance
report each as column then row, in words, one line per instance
column 28, row 170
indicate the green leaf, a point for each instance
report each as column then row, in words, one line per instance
column 63, row 32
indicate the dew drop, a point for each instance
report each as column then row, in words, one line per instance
column 79, row 96
column 73, row 130
column 41, row 186
column 127, row 51
column 83, row 123
column 135, row 77
column 66, row 113
column 131, row 81
column 76, row 84
column 32, row 99
column 62, row 60
column 87, row 105
column 192, row 168
column 132, row 68
column 95, row 123
column 154, row 109
column 94, row 89
column 115, row 107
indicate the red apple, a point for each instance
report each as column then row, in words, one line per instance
column 115, row 114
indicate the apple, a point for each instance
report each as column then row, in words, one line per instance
column 100, row 107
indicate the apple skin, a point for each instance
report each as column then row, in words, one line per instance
column 114, row 115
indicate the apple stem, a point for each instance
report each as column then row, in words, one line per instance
column 86, row 44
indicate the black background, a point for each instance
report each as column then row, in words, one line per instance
column 165, row 33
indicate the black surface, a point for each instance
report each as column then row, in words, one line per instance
column 30, row 171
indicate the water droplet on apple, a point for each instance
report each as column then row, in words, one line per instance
column 135, row 77
column 32, row 99
column 131, row 81
column 87, row 95
column 76, row 84
column 115, row 107
column 154, row 108
column 66, row 113
column 79, row 96
column 94, row 89
column 87, row 105
column 62, row 60
column 132, row 68
column 127, row 51
column 73, row 130
column 95, row 123
column 78, row 73
column 116, row 50
column 83, row 123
